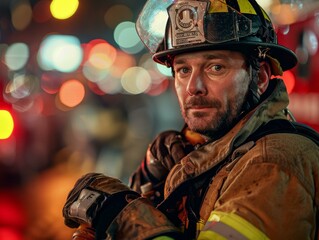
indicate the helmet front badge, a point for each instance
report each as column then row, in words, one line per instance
column 187, row 19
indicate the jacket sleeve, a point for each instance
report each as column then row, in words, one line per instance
column 139, row 220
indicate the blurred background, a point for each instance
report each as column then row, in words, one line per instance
column 79, row 93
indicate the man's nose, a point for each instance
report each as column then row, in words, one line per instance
column 196, row 85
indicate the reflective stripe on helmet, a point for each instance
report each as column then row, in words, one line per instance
column 221, row 225
column 218, row 6
column 246, row 7
column 221, row 6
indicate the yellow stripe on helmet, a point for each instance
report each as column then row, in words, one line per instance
column 222, row 226
column 265, row 15
column 218, row 6
column 244, row 7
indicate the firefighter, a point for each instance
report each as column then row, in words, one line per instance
column 240, row 168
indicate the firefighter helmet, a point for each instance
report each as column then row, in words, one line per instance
column 171, row 27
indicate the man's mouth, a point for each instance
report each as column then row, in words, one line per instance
column 201, row 104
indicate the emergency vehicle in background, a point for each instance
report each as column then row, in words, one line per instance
column 302, row 36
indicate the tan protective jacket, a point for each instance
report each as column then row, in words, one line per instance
column 270, row 185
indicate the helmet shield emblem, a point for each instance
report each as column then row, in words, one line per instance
column 187, row 19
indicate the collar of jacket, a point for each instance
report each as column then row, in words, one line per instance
column 208, row 156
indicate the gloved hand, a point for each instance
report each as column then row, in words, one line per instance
column 84, row 232
column 163, row 153
column 166, row 150
column 96, row 200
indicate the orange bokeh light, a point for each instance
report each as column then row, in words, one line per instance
column 72, row 93
column 102, row 55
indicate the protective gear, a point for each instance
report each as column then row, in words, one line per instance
column 275, row 166
column 167, row 150
column 237, row 171
column 84, row 232
column 106, row 208
column 93, row 196
column 163, row 153
column 169, row 27
column 221, row 225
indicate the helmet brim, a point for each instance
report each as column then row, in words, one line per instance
column 286, row 57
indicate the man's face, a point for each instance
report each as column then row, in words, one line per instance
column 211, row 87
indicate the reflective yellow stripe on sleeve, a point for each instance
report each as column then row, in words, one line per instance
column 222, row 226
column 163, row 238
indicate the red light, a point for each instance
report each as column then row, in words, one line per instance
column 6, row 124
column 289, row 80
column 10, row 234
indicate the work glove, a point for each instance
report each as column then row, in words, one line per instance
column 84, row 232
column 163, row 153
column 103, row 206
column 95, row 201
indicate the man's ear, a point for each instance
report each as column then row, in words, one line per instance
column 264, row 75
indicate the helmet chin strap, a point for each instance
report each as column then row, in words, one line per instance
column 252, row 97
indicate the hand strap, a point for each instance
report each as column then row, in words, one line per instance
column 98, row 209
column 87, row 205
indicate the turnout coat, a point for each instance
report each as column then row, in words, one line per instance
column 253, row 183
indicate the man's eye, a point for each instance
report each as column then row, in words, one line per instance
column 216, row 68
column 183, row 70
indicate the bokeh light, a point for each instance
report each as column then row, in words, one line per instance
column 289, row 80
column 136, row 80
column 60, row 52
column 12, row 213
column 61, row 9
column 104, row 66
column 17, row 56
column 21, row 15
column 21, row 86
column 285, row 13
column 126, row 37
column 110, row 85
column 6, row 124
column 72, row 93
column 122, row 62
column 8, row 233
column 102, row 55
column 99, row 57
column 94, row 74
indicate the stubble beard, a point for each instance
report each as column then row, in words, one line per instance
column 213, row 125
